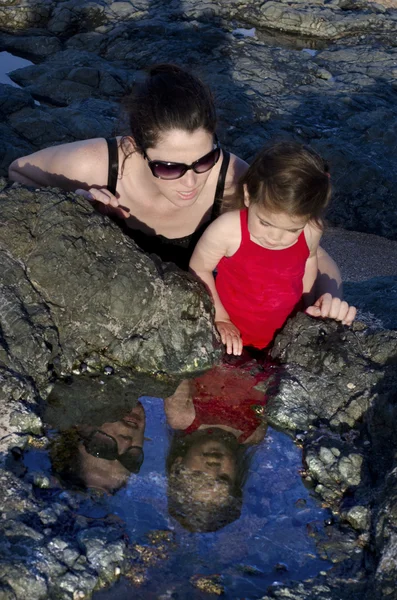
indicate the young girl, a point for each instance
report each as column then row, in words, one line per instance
column 266, row 254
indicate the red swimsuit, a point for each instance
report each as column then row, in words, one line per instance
column 260, row 288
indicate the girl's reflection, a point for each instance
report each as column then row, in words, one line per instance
column 208, row 460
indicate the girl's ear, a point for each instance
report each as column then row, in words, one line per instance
column 246, row 196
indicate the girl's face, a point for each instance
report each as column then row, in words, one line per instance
column 180, row 146
column 274, row 231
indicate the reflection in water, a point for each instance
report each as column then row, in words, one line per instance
column 101, row 427
column 224, row 497
column 274, row 37
column 100, row 457
column 208, row 461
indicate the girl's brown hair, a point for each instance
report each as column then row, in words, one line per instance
column 289, row 177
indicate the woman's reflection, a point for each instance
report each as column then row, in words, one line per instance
column 103, row 449
column 218, row 418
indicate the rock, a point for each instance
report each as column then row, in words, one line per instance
column 83, row 285
column 325, row 384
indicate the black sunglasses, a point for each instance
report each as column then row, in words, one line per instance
column 102, row 445
column 172, row 170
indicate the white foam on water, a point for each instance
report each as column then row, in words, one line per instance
column 244, row 32
column 310, row 51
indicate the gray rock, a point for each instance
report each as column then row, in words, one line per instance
column 36, row 45
column 84, row 293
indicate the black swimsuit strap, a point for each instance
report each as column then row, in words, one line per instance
column 113, row 168
column 113, row 171
column 220, row 187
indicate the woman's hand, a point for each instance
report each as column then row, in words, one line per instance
column 103, row 196
column 230, row 336
column 333, row 308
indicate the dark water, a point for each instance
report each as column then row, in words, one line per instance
column 269, row 542
column 274, row 38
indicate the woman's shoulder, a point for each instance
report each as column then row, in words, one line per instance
column 233, row 193
column 77, row 164
column 236, row 169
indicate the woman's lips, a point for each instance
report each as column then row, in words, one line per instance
column 187, row 195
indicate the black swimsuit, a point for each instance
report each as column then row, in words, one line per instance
column 176, row 250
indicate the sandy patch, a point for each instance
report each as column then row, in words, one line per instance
column 360, row 256
column 385, row 3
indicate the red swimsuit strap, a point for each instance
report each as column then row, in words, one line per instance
column 245, row 234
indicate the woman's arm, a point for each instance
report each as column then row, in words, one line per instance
column 71, row 166
column 80, row 167
column 328, row 292
column 329, row 279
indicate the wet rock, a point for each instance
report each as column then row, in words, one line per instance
column 358, row 517
column 36, row 45
column 71, row 75
column 69, row 274
column 329, row 373
column 332, row 464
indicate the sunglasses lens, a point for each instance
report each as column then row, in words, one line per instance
column 132, row 459
column 208, row 161
column 101, row 446
column 164, row 171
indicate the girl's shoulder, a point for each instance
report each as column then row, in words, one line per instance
column 313, row 232
column 225, row 232
column 228, row 222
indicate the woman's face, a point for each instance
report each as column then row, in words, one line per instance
column 181, row 146
column 110, row 475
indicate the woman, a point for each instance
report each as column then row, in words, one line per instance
column 166, row 181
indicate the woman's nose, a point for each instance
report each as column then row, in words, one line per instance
column 190, row 179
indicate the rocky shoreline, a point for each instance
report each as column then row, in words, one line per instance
column 335, row 387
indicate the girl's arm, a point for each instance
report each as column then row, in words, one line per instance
column 327, row 303
column 179, row 408
column 219, row 239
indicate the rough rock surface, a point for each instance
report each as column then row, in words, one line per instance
column 66, row 271
column 74, row 288
column 335, row 89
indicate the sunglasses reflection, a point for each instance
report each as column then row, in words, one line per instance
column 217, row 419
column 101, row 451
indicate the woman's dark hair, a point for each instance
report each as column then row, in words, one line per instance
column 66, row 459
column 289, row 177
column 169, row 98
column 193, row 515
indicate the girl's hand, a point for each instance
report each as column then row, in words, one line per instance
column 230, row 336
column 103, row 196
column 334, row 308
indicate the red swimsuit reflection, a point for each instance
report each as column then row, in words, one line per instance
column 226, row 396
